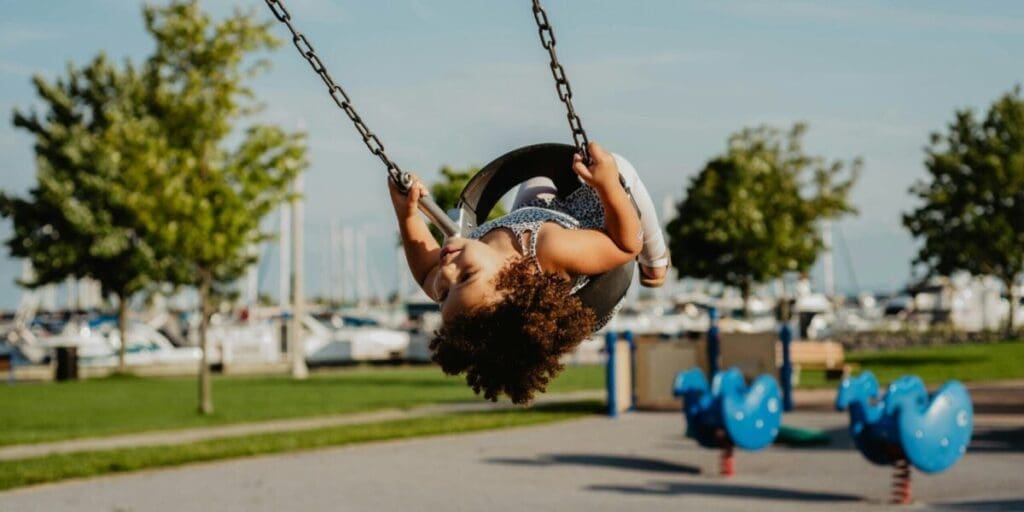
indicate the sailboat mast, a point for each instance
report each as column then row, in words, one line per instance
column 828, row 266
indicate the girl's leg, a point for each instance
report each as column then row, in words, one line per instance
column 654, row 252
column 532, row 189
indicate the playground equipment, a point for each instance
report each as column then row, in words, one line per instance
column 620, row 373
column 657, row 361
column 773, row 352
column 730, row 414
column 905, row 427
column 659, row 358
column 602, row 292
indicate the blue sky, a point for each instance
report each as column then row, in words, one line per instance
column 661, row 82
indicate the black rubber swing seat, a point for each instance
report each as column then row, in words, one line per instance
column 554, row 161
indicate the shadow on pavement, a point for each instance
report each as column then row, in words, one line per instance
column 984, row 439
column 726, row 490
column 995, row 399
column 608, row 461
column 982, row 506
column 998, row 440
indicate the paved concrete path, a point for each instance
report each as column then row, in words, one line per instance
column 170, row 437
column 637, row 462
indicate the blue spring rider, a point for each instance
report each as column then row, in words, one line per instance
column 905, row 426
column 729, row 414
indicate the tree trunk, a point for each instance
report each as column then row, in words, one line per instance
column 784, row 310
column 205, row 398
column 298, row 352
column 1011, row 317
column 122, row 326
column 745, row 290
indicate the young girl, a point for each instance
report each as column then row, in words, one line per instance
column 506, row 291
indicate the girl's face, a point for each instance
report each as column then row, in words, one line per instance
column 466, row 275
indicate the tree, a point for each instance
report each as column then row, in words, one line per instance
column 196, row 80
column 98, row 170
column 972, row 213
column 752, row 213
column 446, row 193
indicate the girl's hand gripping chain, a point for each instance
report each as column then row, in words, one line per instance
column 603, row 172
column 417, row 197
column 407, row 205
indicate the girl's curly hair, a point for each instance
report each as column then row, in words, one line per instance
column 513, row 346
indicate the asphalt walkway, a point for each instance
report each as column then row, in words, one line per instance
column 640, row 461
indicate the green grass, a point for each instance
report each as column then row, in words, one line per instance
column 31, row 413
column 815, row 379
column 967, row 363
column 51, row 468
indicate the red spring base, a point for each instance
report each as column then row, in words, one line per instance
column 901, row 483
column 728, row 462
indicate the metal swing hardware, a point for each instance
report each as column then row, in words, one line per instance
column 401, row 178
column 604, row 291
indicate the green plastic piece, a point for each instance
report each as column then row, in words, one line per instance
column 797, row 436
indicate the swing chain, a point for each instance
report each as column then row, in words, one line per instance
column 401, row 178
column 547, row 40
column 373, row 143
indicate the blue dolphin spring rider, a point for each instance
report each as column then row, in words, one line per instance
column 906, row 427
column 729, row 414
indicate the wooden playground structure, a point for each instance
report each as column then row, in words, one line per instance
column 657, row 360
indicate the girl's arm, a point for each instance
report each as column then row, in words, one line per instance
column 578, row 251
column 591, row 251
column 422, row 252
column 621, row 221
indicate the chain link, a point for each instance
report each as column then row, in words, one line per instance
column 373, row 143
column 338, row 94
column 547, row 40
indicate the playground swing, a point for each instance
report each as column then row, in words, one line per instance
column 551, row 160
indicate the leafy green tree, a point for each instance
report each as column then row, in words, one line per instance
column 99, row 172
column 972, row 213
column 446, row 193
column 752, row 213
column 198, row 92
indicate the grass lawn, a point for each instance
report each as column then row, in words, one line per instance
column 967, row 363
column 51, row 468
column 46, row 412
column 32, row 413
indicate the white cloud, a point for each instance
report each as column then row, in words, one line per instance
column 15, row 69
column 13, row 35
